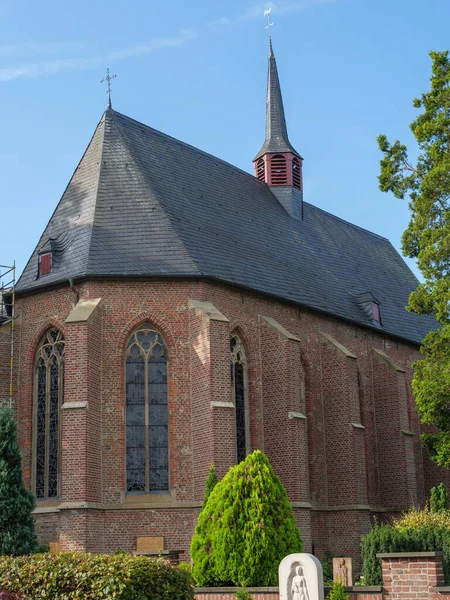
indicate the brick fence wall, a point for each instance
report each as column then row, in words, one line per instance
column 406, row 576
column 413, row 576
column 365, row 593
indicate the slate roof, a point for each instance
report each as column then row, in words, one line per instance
column 142, row 203
column 277, row 139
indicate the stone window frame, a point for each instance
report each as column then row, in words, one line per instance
column 147, row 325
column 239, row 349
column 47, row 350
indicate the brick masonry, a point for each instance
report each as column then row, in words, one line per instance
column 418, row 576
column 356, row 454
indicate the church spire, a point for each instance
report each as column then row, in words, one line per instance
column 278, row 163
column 277, row 139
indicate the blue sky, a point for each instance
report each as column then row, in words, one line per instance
column 196, row 70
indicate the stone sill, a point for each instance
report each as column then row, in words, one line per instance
column 233, row 590
column 443, row 589
column 395, row 555
column 359, row 589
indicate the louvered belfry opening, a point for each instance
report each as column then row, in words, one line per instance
column 296, row 173
column 261, row 170
column 278, row 170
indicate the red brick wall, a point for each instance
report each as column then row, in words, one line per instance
column 336, row 475
column 258, row 594
column 412, row 577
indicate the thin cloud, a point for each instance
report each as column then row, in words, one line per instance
column 38, row 48
column 51, row 67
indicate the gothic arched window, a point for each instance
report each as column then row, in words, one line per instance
column 49, row 394
column 147, row 412
column 239, row 391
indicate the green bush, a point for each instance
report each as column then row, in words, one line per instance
column 439, row 500
column 16, row 502
column 246, row 528
column 75, row 575
column 389, row 538
column 337, row 592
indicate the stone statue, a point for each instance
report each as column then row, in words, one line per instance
column 343, row 571
column 299, row 586
column 300, row 577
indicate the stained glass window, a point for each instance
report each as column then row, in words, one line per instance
column 147, row 412
column 49, row 386
column 239, row 390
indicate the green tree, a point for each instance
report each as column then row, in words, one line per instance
column 211, row 482
column 426, row 181
column 16, row 502
column 246, row 528
column 439, row 500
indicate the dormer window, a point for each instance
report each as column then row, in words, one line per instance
column 45, row 263
column 370, row 307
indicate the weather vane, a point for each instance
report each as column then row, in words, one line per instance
column 269, row 23
column 108, row 79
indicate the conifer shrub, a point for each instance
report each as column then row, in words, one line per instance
column 246, row 528
column 337, row 592
column 75, row 575
column 17, row 534
column 439, row 499
column 211, row 482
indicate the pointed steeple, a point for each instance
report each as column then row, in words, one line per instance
column 278, row 164
column 277, row 139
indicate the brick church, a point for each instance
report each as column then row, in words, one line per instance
column 179, row 312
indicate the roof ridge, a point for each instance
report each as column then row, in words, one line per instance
column 102, row 120
column 199, row 150
column 152, row 191
column 61, row 199
column 327, row 212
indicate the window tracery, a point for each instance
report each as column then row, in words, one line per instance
column 49, row 386
column 239, row 390
column 147, row 414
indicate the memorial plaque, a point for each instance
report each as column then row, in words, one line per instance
column 343, row 571
column 300, row 577
column 149, row 544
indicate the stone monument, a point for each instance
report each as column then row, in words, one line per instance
column 343, row 571
column 300, row 577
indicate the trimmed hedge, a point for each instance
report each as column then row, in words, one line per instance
column 8, row 596
column 68, row 576
column 388, row 538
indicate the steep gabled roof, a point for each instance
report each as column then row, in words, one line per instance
column 144, row 204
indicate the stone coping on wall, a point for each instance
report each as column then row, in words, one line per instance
column 374, row 589
column 395, row 555
column 232, row 590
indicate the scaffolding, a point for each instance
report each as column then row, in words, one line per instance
column 7, row 326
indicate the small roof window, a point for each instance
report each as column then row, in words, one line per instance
column 45, row 263
column 376, row 312
column 370, row 307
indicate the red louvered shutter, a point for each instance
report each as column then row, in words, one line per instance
column 45, row 266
